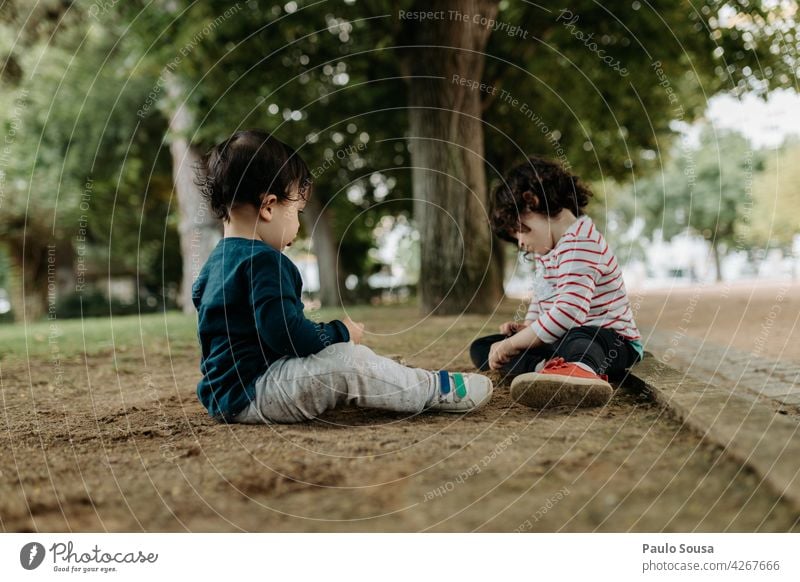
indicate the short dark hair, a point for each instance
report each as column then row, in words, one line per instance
column 539, row 185
column 247, row 165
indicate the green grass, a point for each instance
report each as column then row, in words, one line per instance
column 71, row 337
column 97, row 334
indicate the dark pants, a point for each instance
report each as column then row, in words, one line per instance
column 603, row 350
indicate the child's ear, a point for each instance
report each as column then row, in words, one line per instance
column 531, row 199
column 268, row 203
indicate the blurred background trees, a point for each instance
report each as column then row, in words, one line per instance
column 106, row 107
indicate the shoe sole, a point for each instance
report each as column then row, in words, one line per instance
column 549, row 391
column 480, row 404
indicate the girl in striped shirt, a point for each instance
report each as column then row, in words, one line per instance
column 579, row 327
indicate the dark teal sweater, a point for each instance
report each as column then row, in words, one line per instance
column 247, row 297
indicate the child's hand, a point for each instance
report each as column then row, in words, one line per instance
column 356, row 330
column 500, row 354
column 512, row 327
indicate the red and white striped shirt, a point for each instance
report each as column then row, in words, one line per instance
column 578, row 283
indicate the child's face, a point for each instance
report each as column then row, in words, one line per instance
column 279, row 220
column 534, row 233
column 286, row 222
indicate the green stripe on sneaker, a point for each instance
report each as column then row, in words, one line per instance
column 461, row 389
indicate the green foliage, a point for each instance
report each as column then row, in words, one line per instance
column 705, row 188
column 612, row 125
column 84, row 167
column 324, row 76
column 776, row 200
column 311, row 78
column 614, row 209
column 84, row 85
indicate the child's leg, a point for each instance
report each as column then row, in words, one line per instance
column 300, row 389
column 520, row 364
column 479, row 350
column 603, row 350
column 576, row 376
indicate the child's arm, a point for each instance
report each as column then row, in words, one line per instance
column 355, row 329
column 576, row 275
column 524, row 340
column 512, row 327
column 501, row 352
column 278, row 311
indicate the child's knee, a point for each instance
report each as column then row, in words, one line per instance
column 479, row 352
column 347, row 357
column 368, row 362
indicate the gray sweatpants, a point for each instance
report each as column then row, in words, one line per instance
column 299, row 389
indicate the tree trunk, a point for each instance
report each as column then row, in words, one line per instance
column 458, row 273
column 717, row 259
column 499, row 257
column 28, row 278
column 198, row 228
column 316, row 223
column 15, row 283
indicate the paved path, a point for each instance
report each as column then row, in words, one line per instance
column 742, row 402
column 775, row 382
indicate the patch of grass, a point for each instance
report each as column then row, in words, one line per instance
column 91, row 335
column 171, row 330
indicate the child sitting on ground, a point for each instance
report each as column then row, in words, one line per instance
column 579, row 327
column 263, row 361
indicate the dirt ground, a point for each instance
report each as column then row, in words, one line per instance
column 117, row 441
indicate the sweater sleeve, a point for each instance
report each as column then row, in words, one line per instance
column 576, row 278
column 278, row 312
column 533, row 310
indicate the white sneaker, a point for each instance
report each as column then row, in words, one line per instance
column 461, row 392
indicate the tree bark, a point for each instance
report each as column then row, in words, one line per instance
column 717, row 259
column 198, row 228
column 317, row 224
column 457, row 273
column 28, row 278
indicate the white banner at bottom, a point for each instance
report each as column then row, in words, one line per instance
column 387, row 557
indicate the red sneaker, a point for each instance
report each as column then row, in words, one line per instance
column 561, row 383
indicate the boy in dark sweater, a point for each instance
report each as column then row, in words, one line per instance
column 263, row 361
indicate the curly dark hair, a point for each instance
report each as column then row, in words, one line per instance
column 247, row 165
column 539, row 185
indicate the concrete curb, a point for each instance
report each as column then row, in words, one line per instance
column 748, row 429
